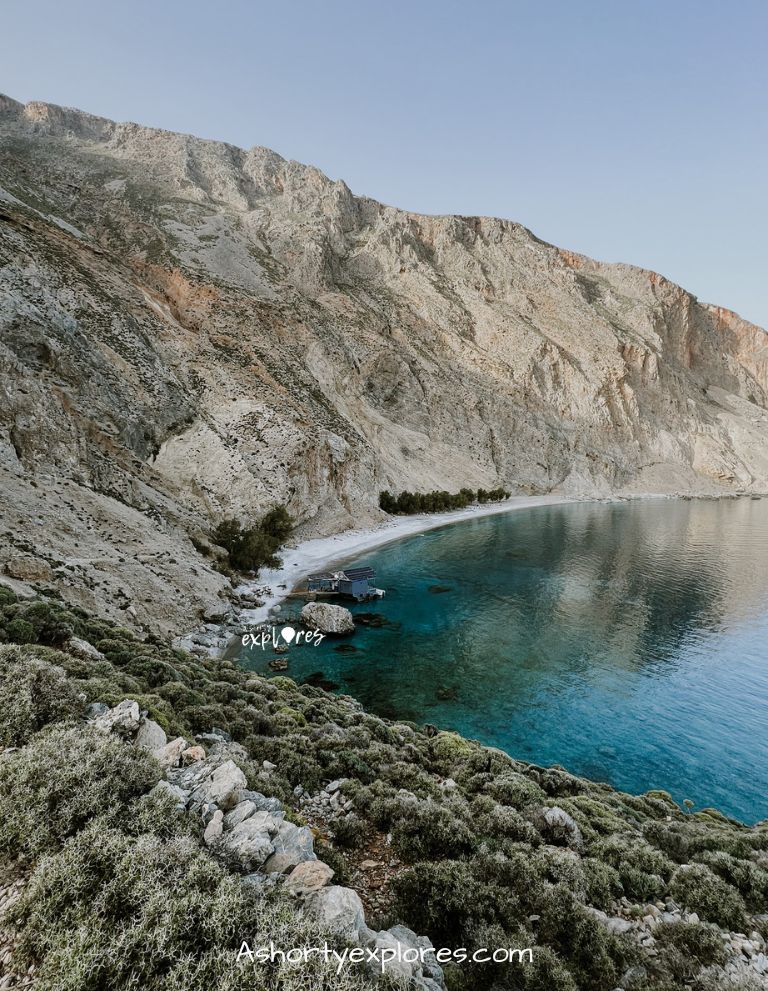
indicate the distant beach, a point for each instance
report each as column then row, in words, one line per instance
column 320, row 553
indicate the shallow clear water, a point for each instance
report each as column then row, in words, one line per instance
column 627, row 642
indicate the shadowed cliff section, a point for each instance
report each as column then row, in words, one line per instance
column 190, row 331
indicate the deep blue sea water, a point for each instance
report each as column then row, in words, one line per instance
column 627, row 642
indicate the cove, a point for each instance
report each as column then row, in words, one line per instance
column 627, row 642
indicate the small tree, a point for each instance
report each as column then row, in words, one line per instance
column 254, row 547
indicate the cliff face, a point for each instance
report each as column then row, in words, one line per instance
column 191, row 330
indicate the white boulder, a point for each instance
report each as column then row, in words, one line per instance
column 327, row 618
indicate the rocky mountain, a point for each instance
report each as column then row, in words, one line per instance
column 191, row 331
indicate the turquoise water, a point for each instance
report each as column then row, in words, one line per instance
column 627, row 642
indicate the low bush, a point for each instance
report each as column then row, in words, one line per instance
column 117, row 911
column 688, row 946
column 699, row 889
column 61, row 780
column 33, row 693
column 426, row 829
column 749, row 878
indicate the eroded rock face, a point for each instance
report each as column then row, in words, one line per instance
column 193, row 293
column 28, row 569
column 327, row 618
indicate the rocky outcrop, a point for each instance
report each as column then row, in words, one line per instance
column 191, row 331
column 327, row 618
column 255, row 838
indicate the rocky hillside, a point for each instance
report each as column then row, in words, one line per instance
column 158, row 809
column 190, row 330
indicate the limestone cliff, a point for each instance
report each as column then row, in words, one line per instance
column 190, row 330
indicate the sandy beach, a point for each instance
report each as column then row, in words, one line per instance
column 322, row 553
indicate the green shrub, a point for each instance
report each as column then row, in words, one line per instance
column 444, row 898
column 113, row 911
column 603, row 883
column 502, row 822
column 350, row 831
column 253, row 548
column 426, row 829
column 595, row 956
column 32, row 694
column 700, row 890
column 516, row 790
column 20, row 631
column 450, row 749
column 52, row 624
column 750, row 879
column 643, row 871
column 61, row 780
column 437, row 501
column 686, row 947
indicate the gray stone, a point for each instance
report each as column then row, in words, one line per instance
column 192, row 755
column 239, row 814
column 166, row 788
column 28, row 569
column 250, row 842
column 262, row 803
column 338, row 909
column 398, row 969
column 151, row 735
column 223, row 786
column 82, row 649
column 96, row 709
column 215, row 828
column 308, row 876
column 429, row 965
column 170, row 755
column 293, row 845
column 327, row 618
column 123, row 719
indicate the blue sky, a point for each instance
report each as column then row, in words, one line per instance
column 630, row 132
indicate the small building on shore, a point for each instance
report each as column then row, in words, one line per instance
column 352, row 583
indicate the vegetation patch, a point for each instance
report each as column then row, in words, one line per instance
column 112, row 865
column 438, row 501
